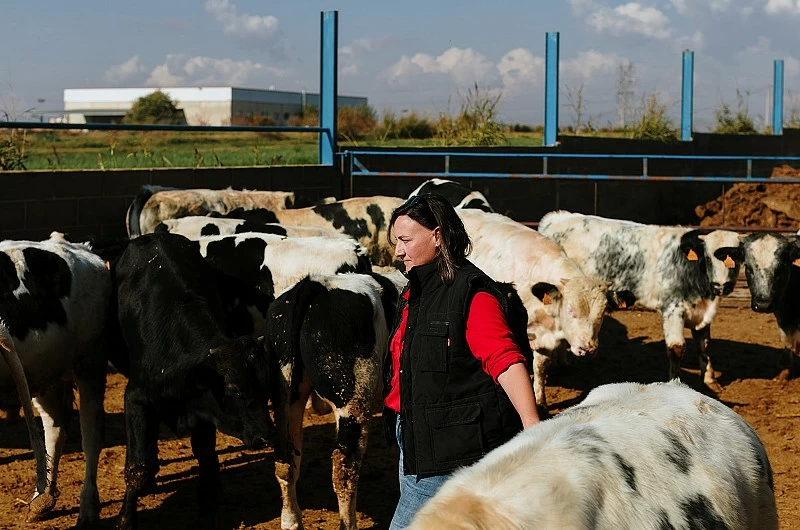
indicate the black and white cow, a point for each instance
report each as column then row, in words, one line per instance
column 185, row 367
column 365, row 219
column 772, row 267
column 458, row 195
column 194, row 227
column 329, row 335
column 274, row 263
column 153, row 204
column 680, row 272
column 53, row 305
column 658, row 456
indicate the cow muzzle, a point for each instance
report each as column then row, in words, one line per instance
column 724, row 289
column 589, row 350
column 762, row 305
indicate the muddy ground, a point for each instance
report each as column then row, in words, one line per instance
column 746, row 351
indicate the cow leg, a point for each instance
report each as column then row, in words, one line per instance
column 204, row 442
column 702, row 338
column 140, row 418
column 54, row 407
column 289, row 422
column 91, row 389
column 541, row 362
column 351, row 443
column 672, row 325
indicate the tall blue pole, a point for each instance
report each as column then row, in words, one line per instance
column 551, row 89
column 777, row 98
column 328, row 85
column 687, row 96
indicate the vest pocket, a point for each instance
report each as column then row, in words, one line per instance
column 456, row 432
column 434, row 340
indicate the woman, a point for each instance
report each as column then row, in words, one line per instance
column 457, row 384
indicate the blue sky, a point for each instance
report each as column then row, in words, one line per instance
column 409, row 55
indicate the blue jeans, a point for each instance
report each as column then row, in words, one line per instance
column 414, row 492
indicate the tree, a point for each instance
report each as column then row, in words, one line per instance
column 154, row 108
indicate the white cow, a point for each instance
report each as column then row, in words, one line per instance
column 458, row 195
column 55, row 298
column 679, row 271
column 563, row 304
column 630, row 456
column 197, row 226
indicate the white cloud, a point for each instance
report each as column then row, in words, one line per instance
column 791, row 67
column 631, row 19
column 463, row 65
column 124, row 71
column 591, row 63
column 776, row 7
column 199, row 70
column 520, row 67
column 762, row 46
column 350, row 56
column 579, row 7
column 680, row 6
column 242, row 26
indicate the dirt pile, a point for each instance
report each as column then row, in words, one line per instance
column 766, row 205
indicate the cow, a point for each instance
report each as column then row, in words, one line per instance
column 682, row 273
column 658, row 456
column 53, row 306
column 153, row 204
column 185, row 366
column 273, row 263
column 194, row 227
column 458, row 195
column 365, row 219
column 772, row 268
column 563, row 304
column 329, row 335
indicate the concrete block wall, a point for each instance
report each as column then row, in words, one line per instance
column 94, row 203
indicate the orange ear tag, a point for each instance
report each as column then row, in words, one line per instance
column 622, row 304
column 729, row 263
column 796, row 262
column 692, row 255
column 547, row 299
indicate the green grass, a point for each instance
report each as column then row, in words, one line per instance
column 64, row 150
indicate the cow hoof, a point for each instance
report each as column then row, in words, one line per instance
column 40, row 506
column 714, row 386
column 783, row 375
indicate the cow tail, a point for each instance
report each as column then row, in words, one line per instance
column 11, row 357
column 134, row 215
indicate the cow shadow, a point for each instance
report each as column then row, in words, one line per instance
column 632, row 359
column 251, row 495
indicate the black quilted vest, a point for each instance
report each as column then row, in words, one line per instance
column 452, row 412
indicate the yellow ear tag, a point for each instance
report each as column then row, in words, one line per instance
column 796, row 262
column 692, row 255
column 547, row 299
column 729, row 263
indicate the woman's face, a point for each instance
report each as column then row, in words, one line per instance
column 416, row 245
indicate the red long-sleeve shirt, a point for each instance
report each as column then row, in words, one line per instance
column 488, row 336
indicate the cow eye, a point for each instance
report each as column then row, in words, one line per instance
column 233, row 390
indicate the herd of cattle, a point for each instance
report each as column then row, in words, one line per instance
column 222, row 305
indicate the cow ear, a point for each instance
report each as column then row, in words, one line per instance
column 621, row 299
column 547, row 293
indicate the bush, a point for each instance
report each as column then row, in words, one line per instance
column 729, row 122
column 12, row 151
column 356, row 122
column 654, row 123
column 155, row 108
column 476, row 123
column 255, row 120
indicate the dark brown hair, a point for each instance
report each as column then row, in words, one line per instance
column 432, row 210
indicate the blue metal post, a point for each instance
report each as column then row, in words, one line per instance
column 328, row 85
column 687, row 96
column 551, row 89
column 777, row 98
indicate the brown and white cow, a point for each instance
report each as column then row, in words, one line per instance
column 153, row 204
column 563, row 304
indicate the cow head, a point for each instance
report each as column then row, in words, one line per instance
column 231, row 389
column 768, row 262
column 579, row 304
column 718, row 254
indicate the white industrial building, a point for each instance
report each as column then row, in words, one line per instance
column 200, row 105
